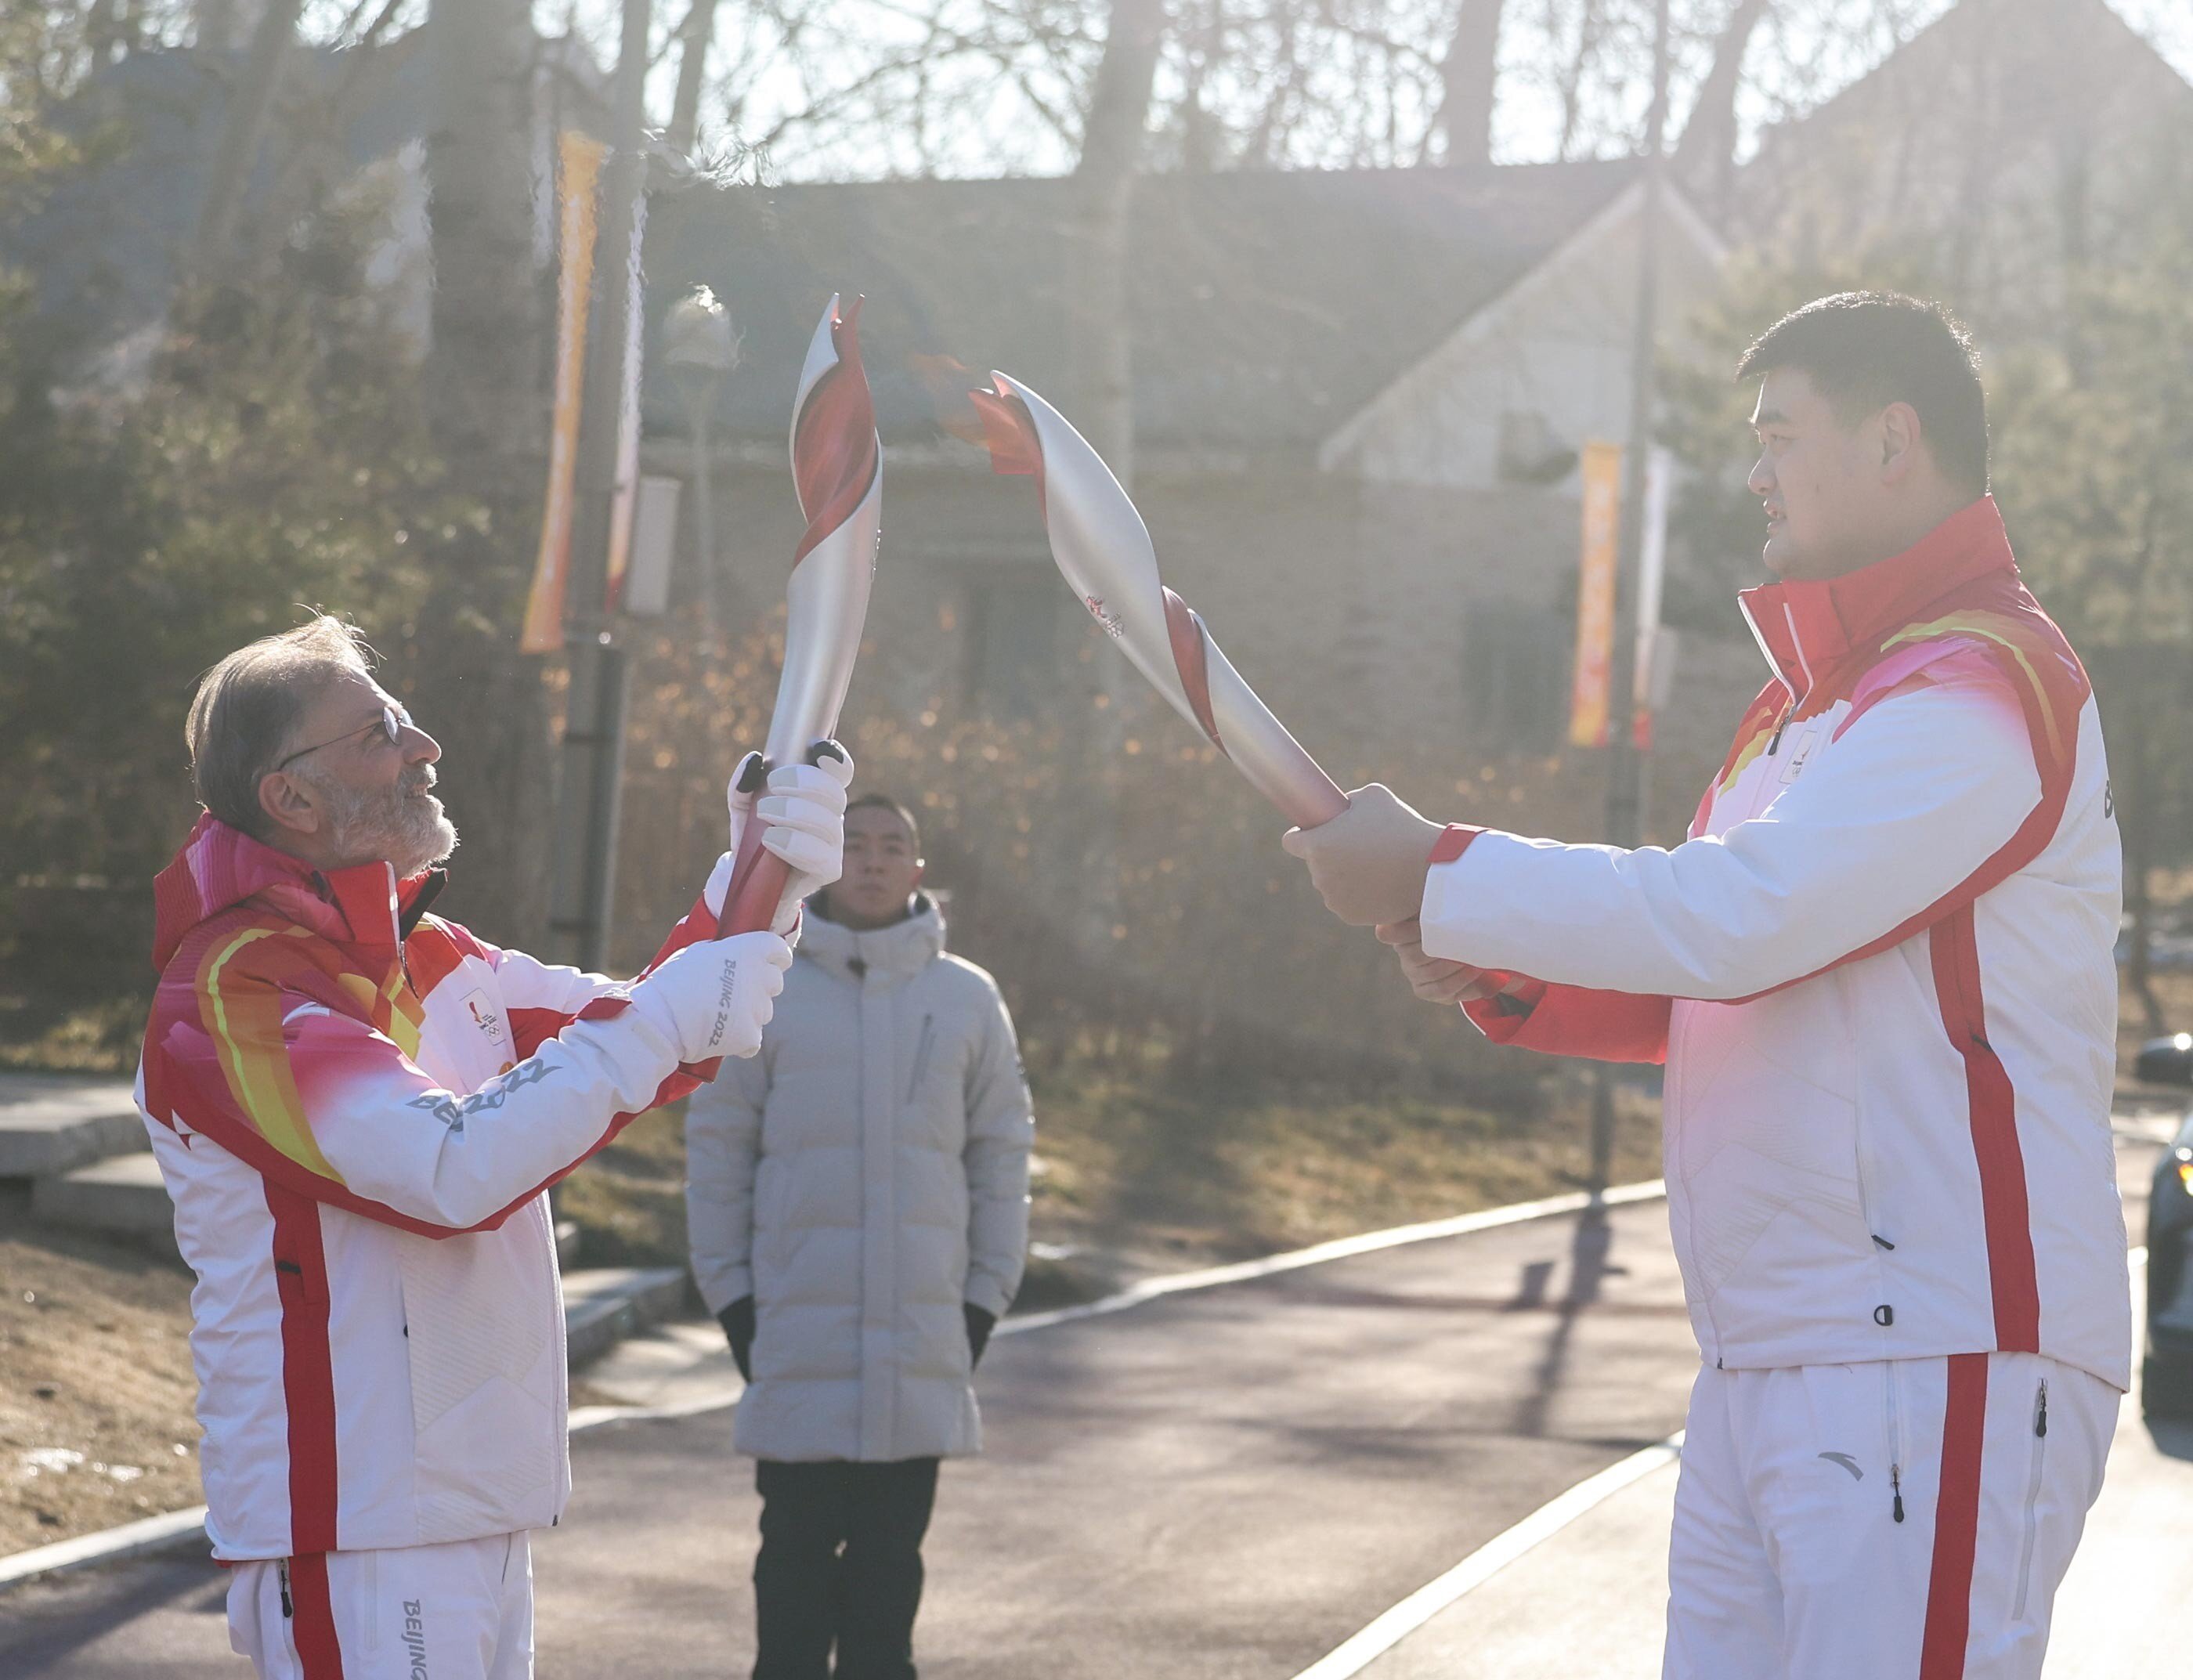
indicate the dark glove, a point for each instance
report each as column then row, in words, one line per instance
column 738, row 1322
column 979, row 1326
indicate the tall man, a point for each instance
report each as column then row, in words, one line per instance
column 1879, row 974
column 857, row 1196
column 356, row 1107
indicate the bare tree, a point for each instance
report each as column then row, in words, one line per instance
column 242, row 129
column 1469, row 74
column 484, row 388
column 1705, row 157
column 1113, row 137
column 695, row 37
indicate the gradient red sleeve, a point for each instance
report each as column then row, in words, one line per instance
column 1576, row 1021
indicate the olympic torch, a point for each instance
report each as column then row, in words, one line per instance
column 837, row 469
column 1104, row 551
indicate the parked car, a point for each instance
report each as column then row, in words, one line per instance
column 2167, row 1372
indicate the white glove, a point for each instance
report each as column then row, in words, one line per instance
column 804, row 811
column 713, row 998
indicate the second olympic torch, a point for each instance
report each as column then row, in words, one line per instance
column 837, row 468
column 1104, row 550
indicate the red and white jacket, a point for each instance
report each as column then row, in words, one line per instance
column 1880, row 973
column 356, row 1107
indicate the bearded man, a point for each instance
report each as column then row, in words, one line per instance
column 358, row 1107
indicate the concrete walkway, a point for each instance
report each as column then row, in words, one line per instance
column 1587, row 1604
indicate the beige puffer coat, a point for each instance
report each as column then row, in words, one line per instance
column 862, row 1179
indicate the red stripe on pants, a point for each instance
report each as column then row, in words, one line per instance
column 1994, row 1120
column 1956, row 1521
column 308, row 1380
column 312, row 1623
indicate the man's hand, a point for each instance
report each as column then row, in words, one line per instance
column 1369, row 862
column 714, row 997
column 1434, row 979
column 802, row 810
column 738, row 1322
column 980, row 1322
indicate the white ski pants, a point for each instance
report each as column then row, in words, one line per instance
column 1909, row 1520
column 458, row 1612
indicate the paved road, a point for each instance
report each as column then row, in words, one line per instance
column 1216, row 1486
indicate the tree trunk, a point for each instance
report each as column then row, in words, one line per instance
column 1112, row 141
column 485, row 391
column 1705, row 157
column 698, row 31
column 243, row 127
column 1470, row 73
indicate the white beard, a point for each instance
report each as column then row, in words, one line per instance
column 402, row 825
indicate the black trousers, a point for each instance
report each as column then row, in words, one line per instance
column 840, row 1562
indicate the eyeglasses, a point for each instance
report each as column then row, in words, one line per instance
column 392, row 723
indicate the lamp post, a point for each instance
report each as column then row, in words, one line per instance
column 700, row 352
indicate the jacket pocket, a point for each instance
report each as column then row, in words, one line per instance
column 922, row 1045
column 2031, row 1530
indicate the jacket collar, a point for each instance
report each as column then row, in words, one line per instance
column 219, row 868
column 1804, row 627
column 898, row 952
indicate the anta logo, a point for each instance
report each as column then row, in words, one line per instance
column 483, row 1016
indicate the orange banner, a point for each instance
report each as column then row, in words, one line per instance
column 579, row 167
column 626, row 501
column 1590, row 697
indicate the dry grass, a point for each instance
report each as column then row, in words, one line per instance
column 96, row 1388
column 1134, row 1166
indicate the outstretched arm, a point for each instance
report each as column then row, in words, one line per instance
column 327, row 1107
column 1886, row 833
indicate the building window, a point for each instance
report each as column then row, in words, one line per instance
column 1515, row 676
column 1013, row 619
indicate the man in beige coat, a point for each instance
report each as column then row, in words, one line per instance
column 858, row 1200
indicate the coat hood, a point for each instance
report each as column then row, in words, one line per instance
column 900, row 951
column 220, row 868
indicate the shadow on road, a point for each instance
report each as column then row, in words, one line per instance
column 1591, row 1244
column 61, row 1618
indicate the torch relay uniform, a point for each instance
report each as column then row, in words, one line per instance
column 356, row 1107
column 1879, row 974
column 862, row 1187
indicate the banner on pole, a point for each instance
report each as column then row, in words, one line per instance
column 624, row 505
column 1649, row 692
column 579, row 159
column 1590, row 697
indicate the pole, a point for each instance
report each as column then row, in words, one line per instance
column 1623, row 778
column 592, row 763
column 704, row 517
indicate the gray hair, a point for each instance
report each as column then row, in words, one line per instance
column 248, row 704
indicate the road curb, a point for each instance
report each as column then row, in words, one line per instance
column 1341, row 1248
column 650, row 1298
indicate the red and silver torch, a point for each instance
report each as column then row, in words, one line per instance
column 836, row 467
column 1103, row 548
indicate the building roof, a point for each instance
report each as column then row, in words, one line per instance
column 2014, row 75
column 1266, row 307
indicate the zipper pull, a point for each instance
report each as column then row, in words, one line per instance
column 2040, row 1412
column 281, row 1574
column 1895, row 1490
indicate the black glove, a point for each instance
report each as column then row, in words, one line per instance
column 738, row 1322
column 979, row 1326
